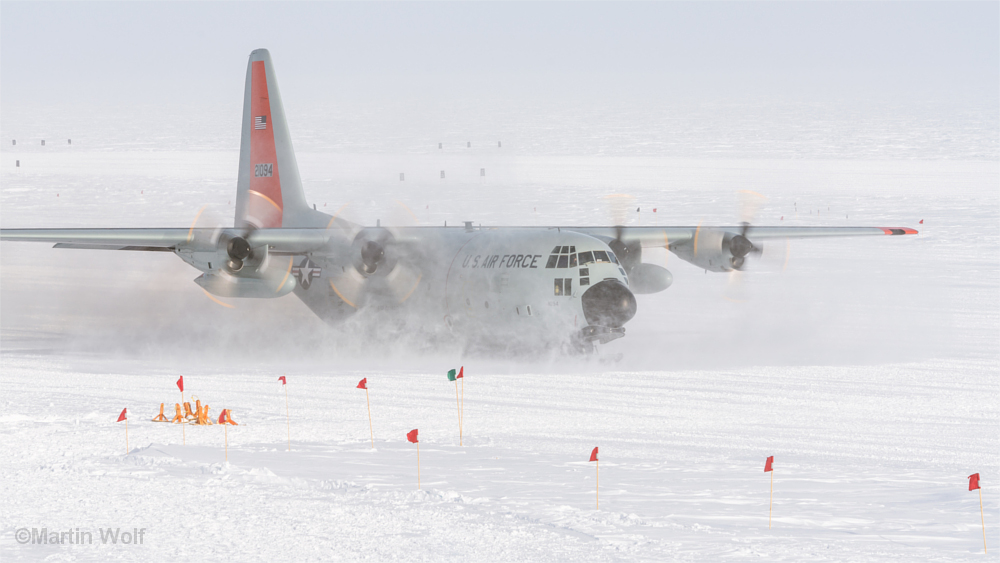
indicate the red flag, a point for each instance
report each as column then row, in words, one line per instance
column 222, row 417
column 593, row 455
column 921, row 221
column 461, row 373
column 180, row 384
column 363, row 384
column 412, row 435
column 121, row 417
column 654, row 210
column 767, row 466
column 283, row 380
column 973, row 481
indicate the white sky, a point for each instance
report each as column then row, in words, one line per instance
column 118, row 53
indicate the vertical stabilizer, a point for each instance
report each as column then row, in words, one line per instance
column 269, row 190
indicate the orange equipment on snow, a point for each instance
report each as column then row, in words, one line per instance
column 229, row 418
column 178, row 418
column 160, row 417
column 203, row 415
column 187, row 411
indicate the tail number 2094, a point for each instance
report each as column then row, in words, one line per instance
column 263, row 170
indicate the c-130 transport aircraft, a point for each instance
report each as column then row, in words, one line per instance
column 532, row 286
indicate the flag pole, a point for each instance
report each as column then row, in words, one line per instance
column 225, row 428
column 126, row 453
column 418, row 465
column 370, row 430
column 461, row 412
column 458, row 407
column 597, row 487
column 288, row 423
column 770, row 503
column 981, row 518
column 183, row 421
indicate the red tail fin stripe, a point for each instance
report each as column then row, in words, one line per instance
column 265, row 177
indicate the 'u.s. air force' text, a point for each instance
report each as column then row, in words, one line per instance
column 501, row 261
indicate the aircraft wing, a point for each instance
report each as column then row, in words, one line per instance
column 664, row 236
column 167, row 240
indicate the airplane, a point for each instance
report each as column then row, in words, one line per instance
column 565, row 286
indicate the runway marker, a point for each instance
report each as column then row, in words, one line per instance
column 288, row 424
column 180, row 385
column 597, row 483
column 222, row 421
column 769, row 469
column 461, row 408
column 458, row 404
column 363, row 384
column 412, row 437
column 973, row 485
column 122, row 417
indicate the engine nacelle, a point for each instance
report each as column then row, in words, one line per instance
column 235, row 268
column 716, row 250
column 226, row 285
column 649, row 278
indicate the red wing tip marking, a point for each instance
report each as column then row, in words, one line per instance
column 899, row 231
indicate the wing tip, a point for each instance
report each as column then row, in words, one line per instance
column 899, row 231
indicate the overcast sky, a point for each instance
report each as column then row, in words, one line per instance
column 121, row 52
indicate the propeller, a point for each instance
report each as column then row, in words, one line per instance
column 239, row 263
column 629, row 255
column 741, row 246
column 378, row 262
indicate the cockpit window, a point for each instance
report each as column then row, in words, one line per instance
column 586, row 257
column 562, row 257
column 601, row 256
column 613, row 257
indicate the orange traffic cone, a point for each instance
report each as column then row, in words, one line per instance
column 160, row 417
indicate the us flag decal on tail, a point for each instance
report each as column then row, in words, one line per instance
column 260, row 122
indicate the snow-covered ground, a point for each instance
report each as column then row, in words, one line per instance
column 868, row 367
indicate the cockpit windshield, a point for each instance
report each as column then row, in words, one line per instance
column 567, row 257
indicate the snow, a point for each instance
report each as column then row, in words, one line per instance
column 868, row 367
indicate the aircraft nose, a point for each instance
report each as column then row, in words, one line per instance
column 608, row 303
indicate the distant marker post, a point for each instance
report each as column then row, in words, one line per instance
column 180, row 385
column 973, row 485
column 461, row 408
column 225, row 428
column 288, row 423
column 412, row 437
column 458, row 404
column 769, row 469
column 122, row 417
column 363, row 384
column 597, row 482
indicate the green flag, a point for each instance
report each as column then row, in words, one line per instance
column 451, row 375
